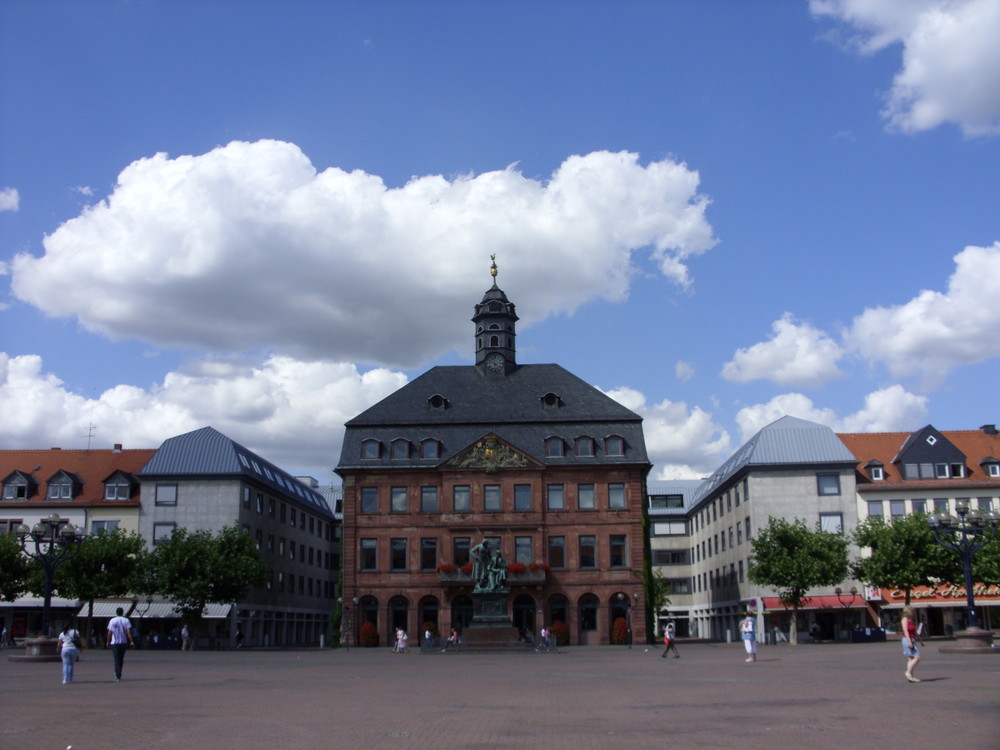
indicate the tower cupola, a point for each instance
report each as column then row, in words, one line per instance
column 495, row 329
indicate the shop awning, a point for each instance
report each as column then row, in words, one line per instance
column 104, row 608
column 165, row 610
column 845, row 601
column 939, row 604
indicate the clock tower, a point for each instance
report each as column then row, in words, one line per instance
column 495, row 331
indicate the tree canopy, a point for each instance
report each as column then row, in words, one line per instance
column 791, row 558
column 194, row 568
column 13, row 568
column 904, row 554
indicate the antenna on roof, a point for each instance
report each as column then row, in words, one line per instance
column 91, row 429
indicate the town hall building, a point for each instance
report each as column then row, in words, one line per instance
column 529, row 457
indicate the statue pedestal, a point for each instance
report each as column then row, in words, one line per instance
column 38, row 649
column 972, row 641
column 491, row 629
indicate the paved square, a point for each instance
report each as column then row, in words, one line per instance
column 809, row 696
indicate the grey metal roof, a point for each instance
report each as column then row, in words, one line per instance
column 787, row 441
column 207, row 452
column 470, row 404
column 687, row 488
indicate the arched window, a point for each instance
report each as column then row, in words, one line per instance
column 371, row 449
column 558, row 610
column 399, row 616
column 585, row 446
column 494, row 341
column 429, row 616
column 554, row 447
column 400, row 449
column 461, row 612
column 524, row 615
column 614, row 445
column 430, row 448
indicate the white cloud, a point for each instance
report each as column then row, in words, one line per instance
column 887, row 410
column 10, row 199
column 683, row 371
column 682, row 442
column 248, row 246
column 796, row 355
column 951, row 59
column 935, row 332
column 290, row 412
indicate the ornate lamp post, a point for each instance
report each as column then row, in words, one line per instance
column 966, row 535
column 52, row 543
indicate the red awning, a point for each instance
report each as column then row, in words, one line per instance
column 845, row 601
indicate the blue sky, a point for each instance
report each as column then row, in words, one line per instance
column 266, row 216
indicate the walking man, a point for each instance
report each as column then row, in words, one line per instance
column 120, row 638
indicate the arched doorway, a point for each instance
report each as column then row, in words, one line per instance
column 461, row 612
column 620, row 620
column 558, row 612
column 367, row 613
column 428, row 610
column 399, row 615
column 524, row 615
column 588, row 620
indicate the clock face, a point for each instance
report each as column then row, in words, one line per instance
column 494, row 363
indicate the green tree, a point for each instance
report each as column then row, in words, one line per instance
column 789, row 557
column 659, row 593
column 194, row 568
column 903, row 554
column 13, row 568
column 107, row 564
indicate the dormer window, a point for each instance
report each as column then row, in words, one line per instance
column 614, row 445
column 876, row 471
column 371, row 449
column 400, row 449
column 60, row 487
column 17, row 486
column 991, row 466
column 555, row 447
column 117, row 487
column 584, row 446
column 438, row 401
column 430, row 448
column 551, row 400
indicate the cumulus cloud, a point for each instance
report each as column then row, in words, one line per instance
column 796, row 355
column 683, row 371
column 935, row 332
column 248, row 246
column 887, row 410
column 682, row 442
column 951, row 59
column 289, row 411
column 10, row 199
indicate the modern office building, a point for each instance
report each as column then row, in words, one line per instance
column 205, row 480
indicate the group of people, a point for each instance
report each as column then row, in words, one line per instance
column 119, row 639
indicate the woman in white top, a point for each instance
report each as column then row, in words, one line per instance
column 748, row 629
column 68, row 651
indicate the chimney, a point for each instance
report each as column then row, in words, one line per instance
column 117, row 448
column 989, row 429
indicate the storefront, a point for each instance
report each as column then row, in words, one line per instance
column 941, row 608
column 820, row 618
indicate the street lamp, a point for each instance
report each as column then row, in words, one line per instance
column 848, row 604
column 54, row 542
column 966, row 535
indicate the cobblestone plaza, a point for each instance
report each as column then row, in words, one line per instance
column 808, row 696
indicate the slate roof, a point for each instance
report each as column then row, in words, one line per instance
column 471, row 404
column 788, row 441
column 207, row 453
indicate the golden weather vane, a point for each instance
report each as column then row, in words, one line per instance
column 493, row 267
